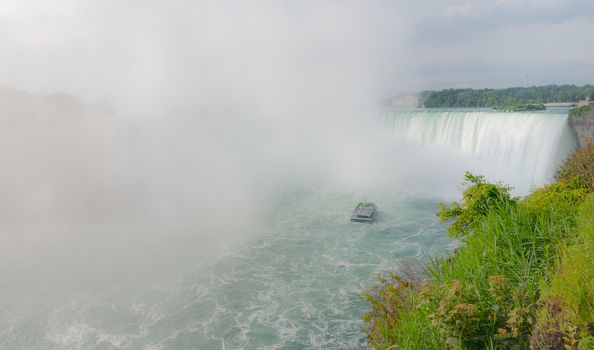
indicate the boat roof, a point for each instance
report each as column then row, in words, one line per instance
column 364, row 211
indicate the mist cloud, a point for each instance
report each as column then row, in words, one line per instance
column 196, row 52
column 185, row 52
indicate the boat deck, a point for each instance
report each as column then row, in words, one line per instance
column 364, row 212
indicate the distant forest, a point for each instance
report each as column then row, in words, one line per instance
column 505, row 97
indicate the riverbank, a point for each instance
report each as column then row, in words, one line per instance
column 523, row 276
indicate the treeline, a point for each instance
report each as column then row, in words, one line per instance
column 505, row 97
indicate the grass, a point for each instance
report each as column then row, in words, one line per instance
column 579, row 167
column 523, row 275
column 581, row 111
column 567, row 314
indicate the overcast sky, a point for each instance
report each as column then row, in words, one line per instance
column 208, row 50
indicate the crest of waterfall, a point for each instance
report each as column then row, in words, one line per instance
column 531, row 145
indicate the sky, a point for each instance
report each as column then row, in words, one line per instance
column 182, row 52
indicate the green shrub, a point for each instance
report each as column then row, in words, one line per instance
column 486, row 295
column 469, row 317
column 579, row 168
column 522, row 277
column 388, row 299
column 566, row 315
column 559, row 199
column 497, row 270
column 400, row 314
column 478, row 199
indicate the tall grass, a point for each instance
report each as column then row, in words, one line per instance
column 566, row 317
column 579, row 168
column 491, row 293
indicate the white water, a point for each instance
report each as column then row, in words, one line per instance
column 520, row 148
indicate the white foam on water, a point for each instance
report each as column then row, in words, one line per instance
column 522, row 149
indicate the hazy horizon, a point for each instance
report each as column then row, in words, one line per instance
column 179, row 53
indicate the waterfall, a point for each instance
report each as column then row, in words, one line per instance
column 529, row 145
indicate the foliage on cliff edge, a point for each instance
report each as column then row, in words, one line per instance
column 581, row 111
column 522, row 277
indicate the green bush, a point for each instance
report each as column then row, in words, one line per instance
column 579, row 168
column 566, row 315
column 514, row 244
column 488, row 293
column 389, row 299
column 478, row 199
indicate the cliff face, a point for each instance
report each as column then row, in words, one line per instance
column 583, row 126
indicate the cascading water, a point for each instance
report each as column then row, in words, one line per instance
column 522, row 147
